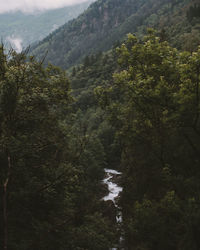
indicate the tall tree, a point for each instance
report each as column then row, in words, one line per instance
column 154, row 105
column 33, row 151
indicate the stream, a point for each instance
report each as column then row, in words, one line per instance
column 114, row 190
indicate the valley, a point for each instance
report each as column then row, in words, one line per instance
column 21, row 29
column 100, row 127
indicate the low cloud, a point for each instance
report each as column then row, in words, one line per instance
column 29, row 6
column 15, row 42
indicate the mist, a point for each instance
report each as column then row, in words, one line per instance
column 15, row 42
column 30, row 6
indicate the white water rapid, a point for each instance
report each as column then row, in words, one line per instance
column 114, row 190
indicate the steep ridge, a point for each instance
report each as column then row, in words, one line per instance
column 88, row 33
column 106, row 22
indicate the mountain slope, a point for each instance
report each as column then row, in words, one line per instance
column 87, row 33
column 107, row 21
column 21, row 29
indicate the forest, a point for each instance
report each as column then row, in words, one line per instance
column 134, row 108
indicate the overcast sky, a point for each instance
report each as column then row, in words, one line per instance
column 32, row 5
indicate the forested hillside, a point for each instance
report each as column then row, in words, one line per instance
column 108, row 21
column 149, row 128
column 56, row 142
column 134, row 108
column 153, row 105
column 52, row 163
column 27, row 28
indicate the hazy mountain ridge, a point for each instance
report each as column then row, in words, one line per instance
column 107, row 21
column 21, row 29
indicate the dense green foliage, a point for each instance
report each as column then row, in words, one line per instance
column 96, row 71
column 107, row 21
column 135, row 108
column 154, row 105
column 32, row 27
column 51, row 166
column 193, row 12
